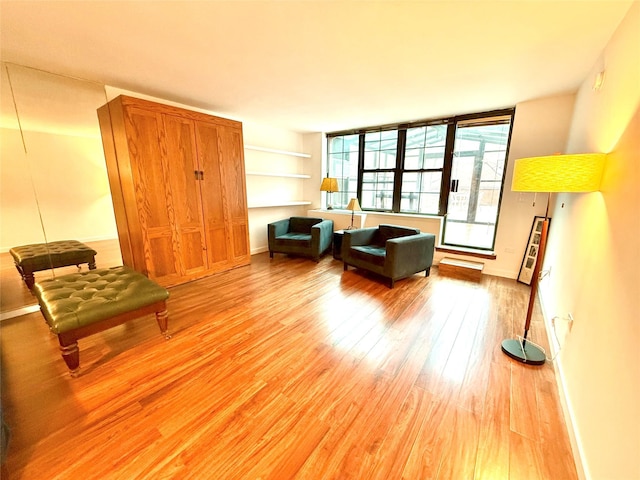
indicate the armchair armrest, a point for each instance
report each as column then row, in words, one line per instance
column 322, row 236
column 278, row 228
column 408, row 255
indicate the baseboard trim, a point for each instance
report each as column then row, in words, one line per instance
column 255, row 251
column 19, row 312
column 565, row 401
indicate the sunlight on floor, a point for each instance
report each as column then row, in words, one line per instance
column 359, row 331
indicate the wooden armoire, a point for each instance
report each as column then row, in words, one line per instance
column 178, row 186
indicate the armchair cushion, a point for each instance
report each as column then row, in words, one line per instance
column 303, row 224
column 391, row 251
column 370, row 253
column 305, row 236
column 387, row 232
column 293, row 239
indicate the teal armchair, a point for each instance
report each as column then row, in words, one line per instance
column 391, row 251
column 303, row 236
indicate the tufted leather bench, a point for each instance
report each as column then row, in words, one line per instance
column 81, row 304
column 43, row 256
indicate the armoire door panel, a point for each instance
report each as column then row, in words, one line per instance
column 211, row 186
column 232, row 160
column 185, row 179
column 240, row 245
column 149, row 177
column 219, row 253
column 235, row 193
column 191, row 251
column 161, row 259
column 209, row 159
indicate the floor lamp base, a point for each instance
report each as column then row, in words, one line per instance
column 530, row 354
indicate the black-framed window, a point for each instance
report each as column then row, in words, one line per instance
column 343, row 165
column 452, row 165
column 380, row 150
column 423, row 169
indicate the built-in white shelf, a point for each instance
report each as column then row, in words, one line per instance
column 267, row 203
column 279, row 152
column 284, row 175
column 280, row 204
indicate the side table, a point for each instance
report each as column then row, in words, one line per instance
column 337, row 244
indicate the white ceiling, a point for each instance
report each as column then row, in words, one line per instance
column 319, row 65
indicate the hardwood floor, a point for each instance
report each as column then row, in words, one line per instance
column 288, row 369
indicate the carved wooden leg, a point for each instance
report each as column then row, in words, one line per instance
column 427, row 272
column 26, row 276
column 70, row 354
column 92, row 264
column 345, row 268
column 270, row 254
column 29, row 279
column 163, row 322
column 19, row 268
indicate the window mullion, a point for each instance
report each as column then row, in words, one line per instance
column 445, row 186
column 397, row 178
column 360, row 165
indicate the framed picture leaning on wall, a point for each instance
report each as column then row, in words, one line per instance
column 531, row 252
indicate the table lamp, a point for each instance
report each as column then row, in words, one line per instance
column 329, row 185
column 354, row 206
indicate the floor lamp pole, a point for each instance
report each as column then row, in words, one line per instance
column 526, row 352
column 536, row 275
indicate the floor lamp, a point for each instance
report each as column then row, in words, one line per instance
column 552, row 174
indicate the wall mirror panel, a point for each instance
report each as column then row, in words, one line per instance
column 53, row 173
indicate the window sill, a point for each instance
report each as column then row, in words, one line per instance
column 405, row 215
column 472, row 252
column 374, row 212
column 340, row 211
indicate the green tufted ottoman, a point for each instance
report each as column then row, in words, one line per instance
column 43, row 256
column 81, row 304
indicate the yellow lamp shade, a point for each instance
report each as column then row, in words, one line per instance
column 329, row 185
column 354, row 205
column 559, row 173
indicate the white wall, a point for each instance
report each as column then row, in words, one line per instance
column 268, row 190
column 19, row 218
column 60, row 186
column 593, row 254
column 316, row 145
column 52, row 175
column 540, row 128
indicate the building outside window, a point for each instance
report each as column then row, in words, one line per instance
column 451, row 167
